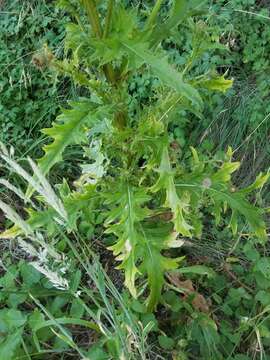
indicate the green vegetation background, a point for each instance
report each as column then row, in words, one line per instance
column 31, row 97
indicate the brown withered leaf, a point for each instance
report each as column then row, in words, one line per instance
column 199, row 302
column 165, row 216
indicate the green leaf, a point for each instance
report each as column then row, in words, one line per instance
column 10, row 344
column 128, row 213
column 258, row 183
column 114, row 347
column 216, row 184
column 218, row 84
column 251, row 252
column 7, row 281
column 149, row 321
column 36, row 220
column 36, row 320
column 165, row 72
column 16, row 299
column 261, row 280
column 79, row 41
column 71, row 128
column 241, row 357
column 157, row 237
column 75, row 281
column 138, row 307
column 179, row 206
column 263, row 297
column 66, row 5
column 29, row 274
column 13, row 318
column 223, row 174
column 77, row 310
column 127, row 41
column 236, row 295
column 155, row 265
column 197, row 269
column 67, row 321
column 139, row 242
column 166, row 342
column 180, row 11
column 97, row 353
column 172, row 299
column 204, row 331
column 263, row 266
column 240, row 205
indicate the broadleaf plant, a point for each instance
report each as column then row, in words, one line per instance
column 150, row 196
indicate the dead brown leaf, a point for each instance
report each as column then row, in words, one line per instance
column 199, row 302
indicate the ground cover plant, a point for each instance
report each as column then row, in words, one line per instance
column 111, row 264
column 240, row 118
column 244, row 27
column 30, row 97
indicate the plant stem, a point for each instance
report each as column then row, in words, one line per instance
column 93, row 17
column 154, row 13
column 91, row 9
column 92, row 13
column 108, row 69
column 108, row 19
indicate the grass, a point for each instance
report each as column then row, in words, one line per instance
column 232, row 126
column 95, row 314
column 26, row 91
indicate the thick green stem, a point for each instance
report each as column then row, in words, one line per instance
column 108, row 68
column 108, row 20
column 109, row 73
column 91, row 10
column 92, row 13
column 154, row 13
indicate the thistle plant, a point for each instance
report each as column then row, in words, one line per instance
column 151, row 194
